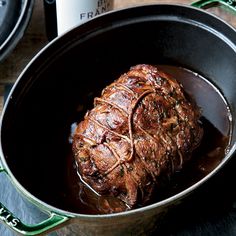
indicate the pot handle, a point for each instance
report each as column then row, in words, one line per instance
column 17, row 225
column 231, row 4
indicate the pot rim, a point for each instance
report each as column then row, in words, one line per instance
column 18, row 30
column 165, row 202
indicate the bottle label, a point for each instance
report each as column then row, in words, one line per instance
column 71, row 13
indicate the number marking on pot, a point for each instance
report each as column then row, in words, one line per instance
column 7, row 217
column 230, row 3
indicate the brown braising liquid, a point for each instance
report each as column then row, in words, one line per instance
column 216, row 121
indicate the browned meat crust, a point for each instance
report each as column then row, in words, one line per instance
column 141, row 130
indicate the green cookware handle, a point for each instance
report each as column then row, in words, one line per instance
column 231, row 4
column 17, row 225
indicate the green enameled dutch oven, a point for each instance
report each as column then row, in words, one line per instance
column 42, row 102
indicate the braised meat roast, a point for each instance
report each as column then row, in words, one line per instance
column 141, row 131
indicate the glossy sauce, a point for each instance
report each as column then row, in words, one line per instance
column 216, row 121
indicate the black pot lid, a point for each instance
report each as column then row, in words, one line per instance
column 14, row 18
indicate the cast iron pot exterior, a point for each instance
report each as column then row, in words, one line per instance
column 15, row 23
column 68, row 71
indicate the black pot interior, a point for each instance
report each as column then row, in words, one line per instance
column 59, row 86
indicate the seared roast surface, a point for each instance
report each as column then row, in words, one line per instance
column 141, row 130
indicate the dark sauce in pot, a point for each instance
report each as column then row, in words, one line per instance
column 216, row 121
